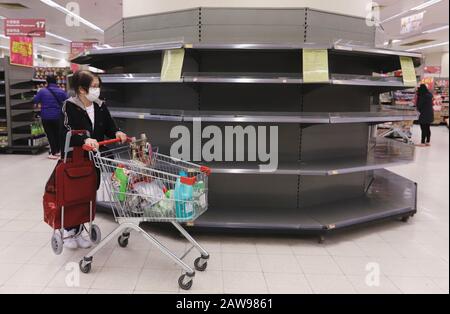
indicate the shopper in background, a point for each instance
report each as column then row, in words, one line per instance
column 51, row 99
column 86, row 111
column 424, row 104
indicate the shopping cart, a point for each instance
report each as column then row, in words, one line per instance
column 69, row 198
column 145, row 186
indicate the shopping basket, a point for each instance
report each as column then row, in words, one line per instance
column 70, row 195
column 146, row 186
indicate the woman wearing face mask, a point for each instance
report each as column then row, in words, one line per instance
column 85, row 111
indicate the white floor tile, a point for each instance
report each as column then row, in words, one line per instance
column 64, row 291
column 356, row 266
column 7, row 271
column 309, row 248
column 159, row 280
column 415, row 285
column 17, row 254
column 240, row 262
column 244, row 282
column 69, row 277
column 116, row 278
column 441, row 282
column 347, row 248
column 382, row 286
column 274, row 246
column 279, row 263
column 330, row 284
column 282, row 283
column 378, row 250
column 21, row 290
column 20, row 225
column 207, row 282
column 32, row 275
column 106, row 291
column 319, row 265
column 127, row 258
column 238, row 245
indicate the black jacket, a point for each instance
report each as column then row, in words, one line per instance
column 425, row 108
column 75, row 117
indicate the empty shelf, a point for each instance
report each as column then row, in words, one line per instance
column 382, row 153
column 247, row 78
column 377, row 115
column 389, row 196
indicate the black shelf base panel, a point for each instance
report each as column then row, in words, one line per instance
column 389, row 196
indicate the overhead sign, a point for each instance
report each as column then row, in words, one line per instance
column 77, row 47
column 315, row 65
column 412, row 23
column 21, row 51
column 25, row 27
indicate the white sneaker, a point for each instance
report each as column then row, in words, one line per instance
column 82, row 242
column 70, row 241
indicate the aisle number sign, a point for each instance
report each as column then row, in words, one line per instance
column 21, row 51
column 25, row 27
column 172, row 65
column 315, row 65
column 408, row 71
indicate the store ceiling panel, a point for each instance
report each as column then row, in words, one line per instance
column 102, row 13
column 434, row 26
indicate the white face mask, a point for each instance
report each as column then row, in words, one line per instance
column 94, row 94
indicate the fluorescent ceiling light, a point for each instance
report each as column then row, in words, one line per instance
column 429, row 46
column 59, row 37
column 425, row 5
column 50, row 57
column 62, row 9
column 52, row 49
column 437, row 29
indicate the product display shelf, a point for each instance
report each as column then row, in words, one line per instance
column 330, row 168
column 20, row 112
column 375, row 116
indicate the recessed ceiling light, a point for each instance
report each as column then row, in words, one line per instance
column 58, row 37
column 429, row 46
column 62, row 9
column 53, row 49
column 425, row 5
column 437, row 29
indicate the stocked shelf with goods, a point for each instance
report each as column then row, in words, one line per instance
column 59, row 73
column 330, row 171
column 20, row 126
column 441, row 98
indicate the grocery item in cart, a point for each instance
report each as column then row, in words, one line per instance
column 121, row 177
column 183, row 196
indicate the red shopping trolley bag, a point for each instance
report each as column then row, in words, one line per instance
column 71, row 190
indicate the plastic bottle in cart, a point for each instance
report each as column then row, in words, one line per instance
column 183, row 196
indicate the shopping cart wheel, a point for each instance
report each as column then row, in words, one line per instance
column 201, row 264
column 123, row 241
column 86, row 265
column 57, row 243
column 185, row 282
column 96, row 234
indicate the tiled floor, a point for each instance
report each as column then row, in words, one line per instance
column 391, row 257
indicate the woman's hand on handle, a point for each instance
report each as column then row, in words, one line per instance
column 92, row 143
column 122, row 136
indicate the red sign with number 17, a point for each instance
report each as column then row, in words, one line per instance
column 25, row 27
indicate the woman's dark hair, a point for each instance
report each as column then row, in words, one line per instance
column 422, row 90
column 83, row 79
column 51, row 79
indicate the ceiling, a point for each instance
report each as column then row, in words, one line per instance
column 102, row 13
column 435, row 16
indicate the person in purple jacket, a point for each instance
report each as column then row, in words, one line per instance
column 51, row 99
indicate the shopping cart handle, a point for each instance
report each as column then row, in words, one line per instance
column 104, row 143
column 205, row 170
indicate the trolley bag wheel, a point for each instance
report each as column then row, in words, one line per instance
column 96, row 234
column 57, row 243
column 201, row 263
column 183, row 284
column 123, row 240
column 86, row 266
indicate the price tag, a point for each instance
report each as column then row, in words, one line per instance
column 172, row 65
column 408, row 71
column 315, row 65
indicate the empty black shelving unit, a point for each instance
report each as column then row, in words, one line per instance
column 244, row 67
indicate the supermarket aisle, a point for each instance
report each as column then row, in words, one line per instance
column 412, row 257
